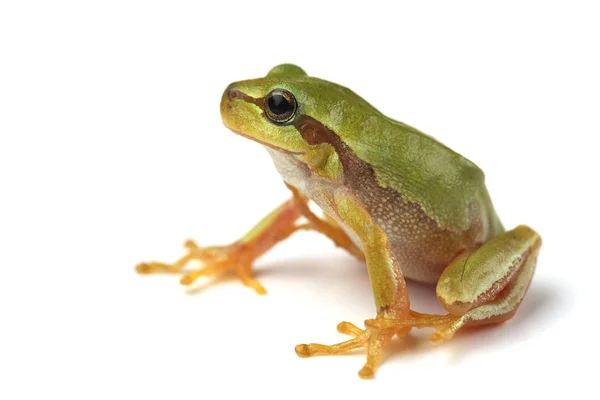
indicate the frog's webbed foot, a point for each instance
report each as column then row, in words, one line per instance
column 373, row 338
column 445, row 325
column 237, row 258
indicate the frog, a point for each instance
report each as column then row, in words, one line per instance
column 394, row 197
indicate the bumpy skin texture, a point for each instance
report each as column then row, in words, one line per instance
column 392, row 196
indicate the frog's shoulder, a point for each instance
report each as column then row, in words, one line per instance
column 424, row 171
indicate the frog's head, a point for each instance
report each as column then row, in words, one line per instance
column 305, row 117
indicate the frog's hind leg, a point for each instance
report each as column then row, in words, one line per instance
column 485, row 286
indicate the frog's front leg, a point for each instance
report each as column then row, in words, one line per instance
column 485, row 286
column 387, row 281
column 240, row 255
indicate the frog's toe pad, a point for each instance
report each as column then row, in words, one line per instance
column 367, row 372
column 348, row 328
column 303, row 350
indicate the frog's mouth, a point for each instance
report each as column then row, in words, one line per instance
column 272, row 146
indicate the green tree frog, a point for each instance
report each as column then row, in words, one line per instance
column 392, row 196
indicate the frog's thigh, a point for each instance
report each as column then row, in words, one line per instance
column 488, row 284
column 387, row 281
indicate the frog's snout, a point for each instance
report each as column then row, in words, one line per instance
column 228, row 96
column 232, row 93
column 233, row 104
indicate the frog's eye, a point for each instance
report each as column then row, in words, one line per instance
column 280, row 106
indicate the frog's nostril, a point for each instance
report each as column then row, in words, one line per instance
column 233, row 94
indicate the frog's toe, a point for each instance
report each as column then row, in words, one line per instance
column 236, row 258
column 155, row 267
column 438, row 338
column 348, row 328
column 316, row 349
column 144, row 268
column 373, row 339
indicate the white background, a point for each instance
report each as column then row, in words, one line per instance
column 112, row 152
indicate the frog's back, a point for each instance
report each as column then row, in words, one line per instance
column 431, row 202
column 423, row 170
column 414, row 164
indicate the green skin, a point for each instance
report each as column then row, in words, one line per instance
column 416, row 208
